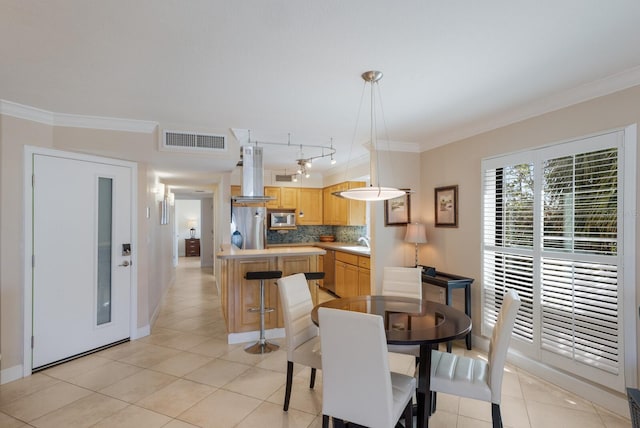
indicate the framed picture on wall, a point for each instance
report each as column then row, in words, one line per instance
column 397, row 211
column 446, row 206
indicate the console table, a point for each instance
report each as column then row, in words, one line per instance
column 451, row 282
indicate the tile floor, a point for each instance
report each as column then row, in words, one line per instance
column 186, row 375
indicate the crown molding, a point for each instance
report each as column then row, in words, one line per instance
column 21, row 111
column 582, row 93
column 107, row 123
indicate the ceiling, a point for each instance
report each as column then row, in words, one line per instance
column 290, row 70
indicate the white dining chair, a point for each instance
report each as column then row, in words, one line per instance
column 475, row 378
column 403, row 282
column 357, row 385
column 303, row 343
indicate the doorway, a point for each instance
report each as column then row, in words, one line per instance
column 80, row 291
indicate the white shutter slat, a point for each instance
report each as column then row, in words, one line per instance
column 580, row 312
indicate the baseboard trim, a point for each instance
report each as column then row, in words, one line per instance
column 142, row 332
column 10, row 374
column 614, row 402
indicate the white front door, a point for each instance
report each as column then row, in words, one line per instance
column 81, row 270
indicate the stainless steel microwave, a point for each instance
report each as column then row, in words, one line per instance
column 282, row 220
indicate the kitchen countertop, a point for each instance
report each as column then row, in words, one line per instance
column 347, row 247
column 229, row 251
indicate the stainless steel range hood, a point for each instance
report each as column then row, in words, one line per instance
column 252, row 177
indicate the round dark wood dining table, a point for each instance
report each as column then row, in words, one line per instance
column 410, row 322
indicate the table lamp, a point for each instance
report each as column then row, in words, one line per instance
column 416, row 234
column 191, row 224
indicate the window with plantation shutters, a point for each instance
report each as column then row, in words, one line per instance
column 552, row 232
column 508, row 243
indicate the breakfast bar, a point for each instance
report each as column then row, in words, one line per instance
column 239, row 295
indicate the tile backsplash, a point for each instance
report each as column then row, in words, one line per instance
column 312, row 234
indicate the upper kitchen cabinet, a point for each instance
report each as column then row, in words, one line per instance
column 340, row 211
column 285, row 197
column 310, row 203
column 236, row 190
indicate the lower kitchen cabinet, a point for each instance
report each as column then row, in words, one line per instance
column 352, row 275
column 346, row 279
column 239, row 295
column 364, row 282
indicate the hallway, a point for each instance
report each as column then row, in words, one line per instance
column 186, row 375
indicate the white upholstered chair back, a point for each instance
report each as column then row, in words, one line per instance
column 499, row 343
column 402, row 281
column 357, row 384
column 296, row 309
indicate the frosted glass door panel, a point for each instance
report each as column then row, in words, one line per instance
column 105, row 206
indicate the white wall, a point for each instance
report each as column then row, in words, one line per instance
column 206, row 238
column 402, row 170
column 14, row 135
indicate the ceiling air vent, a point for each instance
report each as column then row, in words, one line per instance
column 191, row 141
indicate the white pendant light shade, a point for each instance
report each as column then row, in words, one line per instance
column 370, row 193
column 375, row 192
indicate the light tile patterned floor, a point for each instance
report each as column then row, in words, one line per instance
column 186, row 375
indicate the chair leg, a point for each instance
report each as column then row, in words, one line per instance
column 408, row 415
column 434, row 397
column 287, row 391
column 312, row 381
column 495, row 415
column 325, row 421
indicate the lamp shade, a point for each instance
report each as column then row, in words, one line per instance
column 416, row 233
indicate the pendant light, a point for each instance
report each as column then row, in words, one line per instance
column 372, row 192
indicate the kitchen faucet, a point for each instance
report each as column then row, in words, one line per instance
column 365, row 240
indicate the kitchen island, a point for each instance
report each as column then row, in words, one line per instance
column 239, row 295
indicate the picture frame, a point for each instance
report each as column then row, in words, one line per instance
column 446, row 206
column 397, row 211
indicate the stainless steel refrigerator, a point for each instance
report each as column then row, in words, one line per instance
column 248, row 227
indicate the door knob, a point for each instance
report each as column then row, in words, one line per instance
column 124, row 263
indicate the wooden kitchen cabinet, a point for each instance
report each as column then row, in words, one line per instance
column 274, row 192
column 310, row 203
column 238, row 294
column 236, row 190
column 364, row 276
column 285, row 197
column 352, row 275
column 340, row 211
column 246, row 295
column 289, row 197
column 346, row 279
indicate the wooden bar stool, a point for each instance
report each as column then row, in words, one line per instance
column 262, row 346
